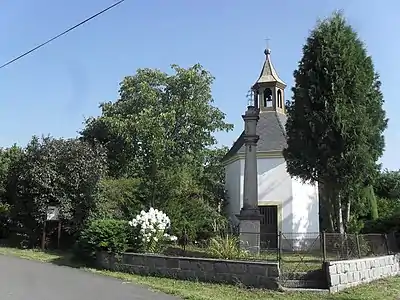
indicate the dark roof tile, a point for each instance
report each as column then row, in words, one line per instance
column 271, row 130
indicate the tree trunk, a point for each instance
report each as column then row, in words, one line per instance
column 340, row 223
column 347, row 215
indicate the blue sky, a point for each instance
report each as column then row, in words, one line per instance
column 53, row 89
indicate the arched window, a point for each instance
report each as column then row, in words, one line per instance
column 267, row 98
column 280, row 104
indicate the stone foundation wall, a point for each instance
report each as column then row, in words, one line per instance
column 349, row 273
column 247, row 273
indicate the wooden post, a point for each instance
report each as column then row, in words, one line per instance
column 59, row 234
column 44, row 236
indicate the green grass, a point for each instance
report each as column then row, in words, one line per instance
column 387, row 289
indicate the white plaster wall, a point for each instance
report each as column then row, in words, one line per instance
column 233, row 185
column 299, row 202
column 274, row 186
column 305, row 207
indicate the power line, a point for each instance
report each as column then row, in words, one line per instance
column 61, row 34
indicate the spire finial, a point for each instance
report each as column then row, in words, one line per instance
column 267, row 51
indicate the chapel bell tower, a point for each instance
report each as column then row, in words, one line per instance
column 269, row 89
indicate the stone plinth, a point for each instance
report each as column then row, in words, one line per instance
column 249, row 233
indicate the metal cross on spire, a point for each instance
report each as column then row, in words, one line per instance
column 267, row 42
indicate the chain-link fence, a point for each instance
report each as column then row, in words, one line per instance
column 338, row 246
column 295, row 252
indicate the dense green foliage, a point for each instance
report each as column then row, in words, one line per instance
column 53, row 172
column 159, row 132
column 387, row 190
column 110, row 235
column 336, row 120
column 117, row 198
column 151, row 147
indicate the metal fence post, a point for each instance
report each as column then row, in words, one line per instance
column 386, row 243
column 280, row 248
column 358, row 246
column 324, row 245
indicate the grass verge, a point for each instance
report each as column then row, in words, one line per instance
column 388, row 289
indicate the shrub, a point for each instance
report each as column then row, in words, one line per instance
column 150, row 230
column 227, row 247
column 113, row 236
column 117, row 198
column 196, row 218
column 383, row 225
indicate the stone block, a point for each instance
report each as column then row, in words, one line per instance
column 350, row 277
column 375, row 272
column 172, row 263
column 343, row 278
column 184, row 264
column 338, row 268
column 363, row 265
column 250, row 235
column 382, row 262
column 223, row 278
column 188, row 275
column 203, row 265
column 333, row 289
column 128, row 259
column 359, row 266
column 237, row 268
column 221, row 267
column 352, row 267
column 341, row 287
column 368, row 264
column 257, row 269
column 273, row 271
column 334, row 279
column 345, row 267
column 332, row 270
column 248, row 280
column 357, row 276
column 159, row 262
column 364, row 274
column 370, row 273
column 171, row 272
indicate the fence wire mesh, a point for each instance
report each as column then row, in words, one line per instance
column 296, row 253
column 351, row 246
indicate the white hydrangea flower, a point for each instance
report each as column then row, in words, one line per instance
column 152, row 226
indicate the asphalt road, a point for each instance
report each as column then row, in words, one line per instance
column 22, row 279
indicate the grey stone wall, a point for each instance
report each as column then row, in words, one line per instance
column 246, row 273
column 349, row 273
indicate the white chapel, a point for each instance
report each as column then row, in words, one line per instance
column 286, row 204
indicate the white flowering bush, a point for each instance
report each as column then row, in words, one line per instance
column 151, row 230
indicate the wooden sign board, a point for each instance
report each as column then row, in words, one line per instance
column 52, row 213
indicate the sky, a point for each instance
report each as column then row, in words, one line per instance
column 53, row 90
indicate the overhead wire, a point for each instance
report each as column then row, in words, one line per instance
column 61, row 34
